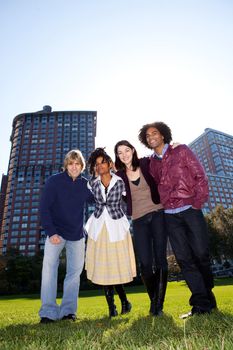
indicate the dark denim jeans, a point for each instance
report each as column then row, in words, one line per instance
column 150, row 240
column 188, row 236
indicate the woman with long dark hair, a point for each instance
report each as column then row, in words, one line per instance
column 110, row 258
column 150, row 237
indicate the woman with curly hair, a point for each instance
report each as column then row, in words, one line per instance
column 110, row 260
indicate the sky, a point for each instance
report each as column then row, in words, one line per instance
column 132, row 61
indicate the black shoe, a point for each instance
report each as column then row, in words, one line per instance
column 113, row 311
column 126, row 307
column 152, row 307
column 196, row 310
column 155, row 310
column 109, row 295
column 46, row 320
column 158, row 312
column 213, row 301
column 71, row 317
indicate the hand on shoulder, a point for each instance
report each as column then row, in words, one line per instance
column 175, row 144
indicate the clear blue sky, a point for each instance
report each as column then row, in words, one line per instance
column 133, row 61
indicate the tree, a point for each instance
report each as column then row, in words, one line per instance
column 217, row 243
column 173, row 268
column 220, row 225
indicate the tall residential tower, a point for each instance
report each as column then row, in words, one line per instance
column 40, row 141
column 215, row 151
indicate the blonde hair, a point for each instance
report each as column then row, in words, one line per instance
column 74, row 155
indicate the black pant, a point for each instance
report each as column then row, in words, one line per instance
column 189, row 240
column 150, row 240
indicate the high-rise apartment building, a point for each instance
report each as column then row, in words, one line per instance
column 39, row 141
column 215, row 151
column 2, row 201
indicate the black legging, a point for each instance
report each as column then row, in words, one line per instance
column 119, row 289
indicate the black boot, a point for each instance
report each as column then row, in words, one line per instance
column 126, row 307
column 109, row 294
column 212, row 300
column 160, row 290
column 125, row 304
column 150, row 287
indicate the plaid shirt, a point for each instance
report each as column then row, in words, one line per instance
column 113, row 198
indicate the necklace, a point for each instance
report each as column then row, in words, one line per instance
column 105, row 187
column 106, row 181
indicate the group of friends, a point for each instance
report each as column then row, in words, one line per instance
column 163, row 194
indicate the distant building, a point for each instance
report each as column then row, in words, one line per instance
column 2, row 201
column 40, row 141
column 215, row 151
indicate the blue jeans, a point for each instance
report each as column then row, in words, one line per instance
column 75, row 251
column 189, row 240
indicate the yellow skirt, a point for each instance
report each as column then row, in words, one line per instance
column 109, row 263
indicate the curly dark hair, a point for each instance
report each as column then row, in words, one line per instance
column 118, row 163
column 163, row 128
column 98, row 152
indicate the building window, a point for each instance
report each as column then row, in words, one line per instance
column 15, row 226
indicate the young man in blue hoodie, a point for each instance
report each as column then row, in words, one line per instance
column 61, row 210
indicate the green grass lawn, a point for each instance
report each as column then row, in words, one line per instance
column 20, row 328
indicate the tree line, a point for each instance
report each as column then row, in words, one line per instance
column 22, row 274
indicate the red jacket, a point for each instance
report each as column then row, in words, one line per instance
column 180, row 177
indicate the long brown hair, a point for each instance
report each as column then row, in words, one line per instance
column 118, row 163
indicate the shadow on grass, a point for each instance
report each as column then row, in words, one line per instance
column 217, row 282
column 217, row 320
column 47, row 336
column 216, row 329
column 147, row 332
column 117, row 333
column 223, row 281
column 107, row 333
